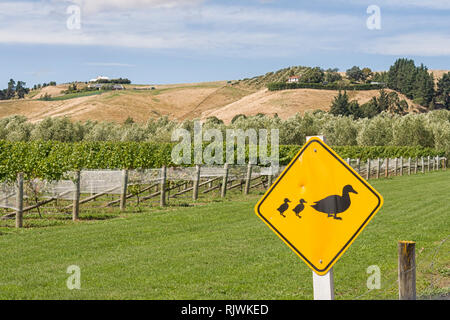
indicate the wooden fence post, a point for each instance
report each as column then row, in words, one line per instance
column 409, row 166
column 416, row 165
column 401, row 166
column 423, row 165
column 196, row 182
column 270, row 177
column 407, row 270
column 386, row 171
column 378, row 168
column 162, row 199
column 76, row 198
column 123, row 195
column 248, row 178
column 396, row 166
column 428, row 164
column 368, row 169
column 225, row 181
column 19, row 201
column 358, row 165
column 437, row 163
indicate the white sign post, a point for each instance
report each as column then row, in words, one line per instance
column 323, row 286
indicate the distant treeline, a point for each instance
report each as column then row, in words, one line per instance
column 415, row 82
column 114, row 81
column 323, row 86
column 14, row 90
column 430, row 129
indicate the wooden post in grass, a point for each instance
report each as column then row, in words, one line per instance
column 225, row 181
column 407, row 270
column 416, row 164
column 358, row 165
column 401, row 166
column 123, row 194
column 386, row 171
column 162, row 199
column 19, row 201
column 196, row 182
column 368, row 169
column 423, row 165
column 409, row 166
column 248, row 178
column 437, row 163
column 270, row 177
column 378, row 168
column 428, row 163
column 396, row 166
column 76, row 197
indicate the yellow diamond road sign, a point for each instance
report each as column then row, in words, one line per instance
column 318, row 205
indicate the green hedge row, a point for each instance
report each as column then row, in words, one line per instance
column 274, row 86
column 50, row 160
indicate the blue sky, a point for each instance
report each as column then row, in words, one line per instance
column 175, row 41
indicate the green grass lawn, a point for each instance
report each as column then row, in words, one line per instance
column 221, row 250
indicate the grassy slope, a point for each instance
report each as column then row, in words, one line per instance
column 223, row 251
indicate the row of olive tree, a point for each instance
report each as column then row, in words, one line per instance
column 428, row 130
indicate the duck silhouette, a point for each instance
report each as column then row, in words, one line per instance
column 299, row 208
column 284, row 207
column 333, row 205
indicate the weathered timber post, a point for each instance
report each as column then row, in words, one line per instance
column 162, row 199
column 409, row 166
column 76, row 197
column 386, row 171
column 401, row 166
column 407, row 270
column 428, row 164
column 248, row 178
column 225, row 181
column 196, row 182
column 437, row 163
column 123, row 194
column 19, row 201
column 358, row 165
column 368, row 169
column 396, row 166
column 378, row 168
column 423, row 165
column 270, row 177
column 416, row 165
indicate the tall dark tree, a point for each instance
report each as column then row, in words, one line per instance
column 443, row 90
column 355, row 74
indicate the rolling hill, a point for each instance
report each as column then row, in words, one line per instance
column 222, row 99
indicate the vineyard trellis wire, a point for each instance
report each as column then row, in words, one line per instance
column 96, row 183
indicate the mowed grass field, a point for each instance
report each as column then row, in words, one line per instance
column 221, row 250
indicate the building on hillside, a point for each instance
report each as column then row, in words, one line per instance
column 118, row 87
column 293, row 79
column 97, row 86
column 99, row 78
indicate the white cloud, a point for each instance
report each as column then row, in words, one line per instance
column 420, row 44
column 109, row 64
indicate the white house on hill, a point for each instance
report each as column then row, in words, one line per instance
column 293, row 79
column 99, row 78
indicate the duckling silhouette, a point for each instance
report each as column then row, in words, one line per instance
column 299, row 208
column 333, row 205
column 284, row 207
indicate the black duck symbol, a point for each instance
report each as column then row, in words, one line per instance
column 284, row 207
column 333, row 205
column 299, row 208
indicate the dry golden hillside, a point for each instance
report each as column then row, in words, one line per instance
column 178, row 101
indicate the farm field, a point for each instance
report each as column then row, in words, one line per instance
column 219, row 249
